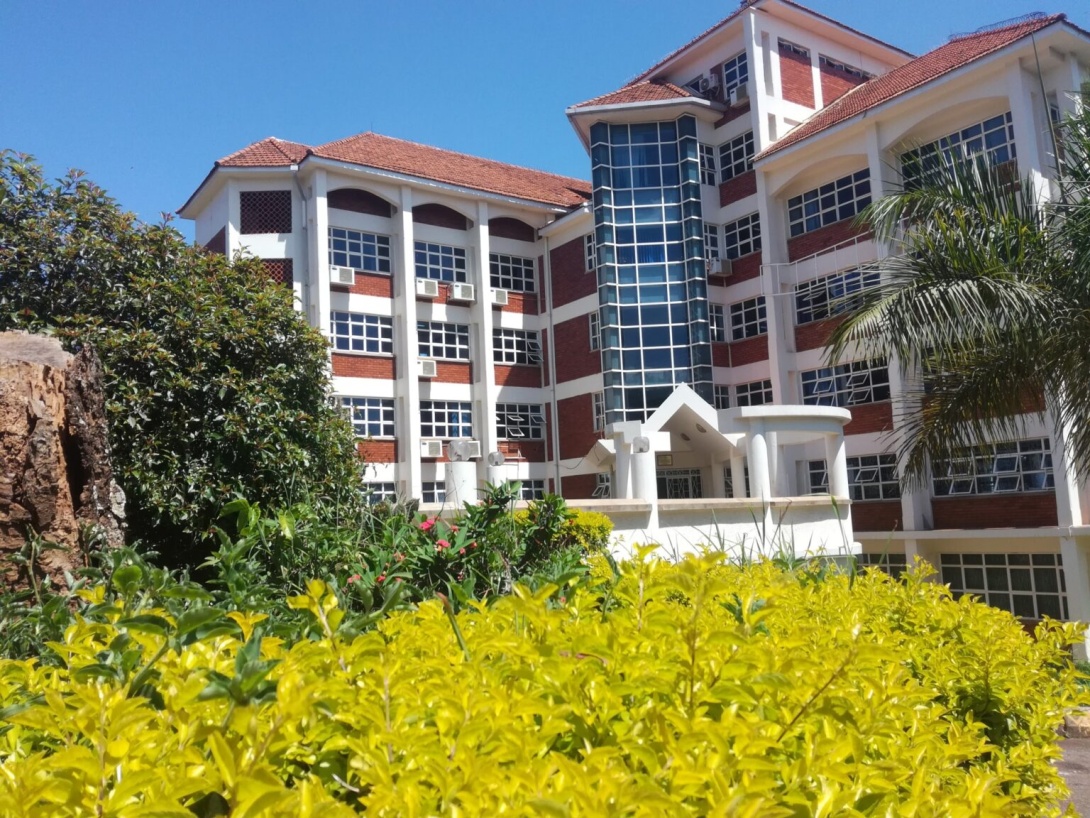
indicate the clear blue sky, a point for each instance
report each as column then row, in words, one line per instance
column 146, row 94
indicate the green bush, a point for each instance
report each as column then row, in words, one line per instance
column 693, row 689
column 590, row 530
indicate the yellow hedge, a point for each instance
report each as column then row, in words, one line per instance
column 695, row 689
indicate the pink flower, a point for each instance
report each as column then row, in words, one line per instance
column 427, row 525
column 380, row 578
column 399, row 556
column 353, row 578
column 441, row 544
column 461, row 551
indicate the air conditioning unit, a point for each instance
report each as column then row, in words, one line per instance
column 464, row 449
column 342, row 276
column 427, row 368
column 739, row 94
column 709, row 83
column 462, row 292
column 427, row 287
column 431, row 448
column 499, row 298
column 718, row 266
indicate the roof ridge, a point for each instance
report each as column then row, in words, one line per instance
column 274, row 142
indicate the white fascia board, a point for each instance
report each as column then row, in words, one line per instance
column 419, row 181
column 564, row 221
column 928, row 87
column 703, row 109
column 219, row 175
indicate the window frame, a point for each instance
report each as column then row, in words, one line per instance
column 383, row 263
column 517, row 268
column 439, row 418
column 595, row 329
column 526, row 418
column 383, row 341
column 735, row 71
column 748, row 318
column 736, row 156
column 967, row 471
column 733, row 243
column 511, row 354
column 828, row 296
column 436, row 270
column 385, row 424
column 717, row 323
column 833, row 202
column 708, row 165
column 884, row 482
column 846, row 384
column 457, row 342
column 744, row 393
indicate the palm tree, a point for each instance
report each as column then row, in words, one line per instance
column 987, row 293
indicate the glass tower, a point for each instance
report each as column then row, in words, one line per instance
column 652, row 281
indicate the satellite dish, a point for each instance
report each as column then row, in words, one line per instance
column 495, row 458
column 641, row 444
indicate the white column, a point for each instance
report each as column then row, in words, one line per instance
column 1076, row 560
column 319, row 257
column 1024, row 118
column 836, row 465
column 405, row 348
column 645, row 486
column 779, row 310
column 1068, row 501
column 484, row 367
column 760, row 484
column 234, row 219
column 622, row 488
column 815, row 73
column 461, row 483
column 738, row 476
column 718, row 489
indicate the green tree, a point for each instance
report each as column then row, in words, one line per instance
column 215, row 384
column 987, row 293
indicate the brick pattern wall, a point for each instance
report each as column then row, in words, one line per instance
column 373, row 284
column 797, row 78
column 1031, row 510
column 530, row 451
column 522, row 303
column 576, row 419
column 578, row 486
column 519, row 375
column 733, row 114
column 742, row 269
column 571, row 281
column 738, row 188
column 359, row 201
column 453, row 372
column 363, row 366
column 835, row 84
column 870, row 417
column 823, row 238
column 504, row 227
column 377, row 451
column 574, row 357
column 720, row 354
column 440, row 216
column 749, row 351
column 280, row 270
column 218, row 243
column 877, row 515
column 816, row 334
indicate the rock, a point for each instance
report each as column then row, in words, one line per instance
column 1077, row 724
column 55, row 474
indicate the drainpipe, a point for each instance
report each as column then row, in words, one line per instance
column 552, row 364
column 306, row 237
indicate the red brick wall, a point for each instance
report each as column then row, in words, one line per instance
column 732, row 114
column 363, row 366
column 504, row 227
column 378, row 451
column 797, row 78
column 574, row 357
column 576, row 420
column 870, row 417
column 578, row 486
column 742, row 269
column 359, row 201
column 749, row 351
column 720, row 354
column 531, row 451
column 739, row 187
column 835, row 84
column 571, row 281
column 995, row 511
column 218, row 243
column 523, row 303
column 815, row 333
column 439, row 216
column 453, row 372
column 823, row 238
column 520, row 375
column 877, row 515
column 373, row 284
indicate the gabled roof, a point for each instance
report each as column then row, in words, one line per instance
column 646, row 91
column 423, row 161
column 953, row 55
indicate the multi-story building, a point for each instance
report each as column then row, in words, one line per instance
column 538, row 315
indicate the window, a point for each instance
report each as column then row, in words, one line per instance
column 717, row 323
column 757, row 393
column 828, row 296
column 843, row 68
column 748, row 319
column 728, row 482
column 603, row 485
column 846, row 384
column 893, row 564
column 264, row 211
column 788, row 47
column 439, row 340
column 870, row 477
column 736, row 156
column 445, row 419
column 380, row 492
column 707, row 164
column 371, row 417
column 711, row 240
column 441, row 262
column 516, row 346
column 742, row 237
column 358, row 332
column 433, row 491
column 532, row 490
column 735, row 73
column 997, row 468
column 595, row 330
column 360, row 251
column 721, row 395
column 588, row 251
column 1030, row 586
column 598, row 407
column 520, row 421
column 992, row 139
column 512, row 273
column 830, row 203
column 679, row 484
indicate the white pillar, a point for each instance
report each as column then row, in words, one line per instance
column 718, row 488
column 461, row 483
column 234, row 219
column 836, row 465
column 1068, row 502
column 405, row 350
column 1076, row 560
column 319, row 256
column 1021, row 95
column 760, row 485
column 622, row 488
column 645, row 485
column 484, row 367
column 738, row 476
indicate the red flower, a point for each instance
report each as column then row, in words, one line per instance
column 441, row 544
column 427, row 525
column 353, row 578
column 461, row 550
column 380, row 578
column 399, row 556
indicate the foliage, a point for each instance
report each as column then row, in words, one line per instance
column 987, row 293
column 693, row 689
column 215, row 385
column 589, row 530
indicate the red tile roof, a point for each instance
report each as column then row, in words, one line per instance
column 953, row 55
column 386, row 153
column 647, row 91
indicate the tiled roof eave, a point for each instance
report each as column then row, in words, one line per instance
column 576, row 110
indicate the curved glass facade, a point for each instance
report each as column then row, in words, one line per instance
column 652, row 282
